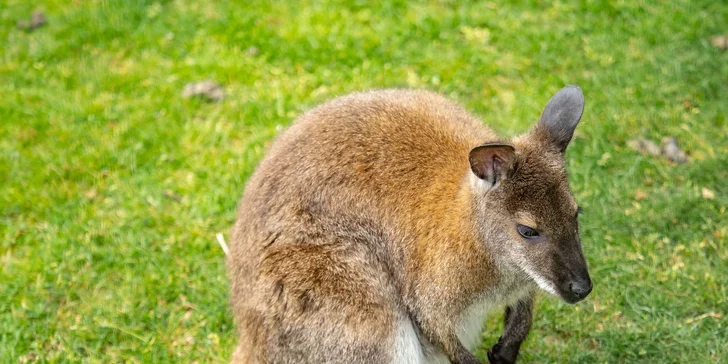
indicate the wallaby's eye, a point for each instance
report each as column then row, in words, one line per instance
column 527, row 232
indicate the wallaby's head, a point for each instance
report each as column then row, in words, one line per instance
column 524, row 208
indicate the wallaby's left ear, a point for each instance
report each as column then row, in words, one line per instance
column 561, row 115
column 492, row 162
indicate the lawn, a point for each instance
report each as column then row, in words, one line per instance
column 113, row 186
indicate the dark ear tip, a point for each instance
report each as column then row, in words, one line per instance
column 573, row 90
column 561, row 115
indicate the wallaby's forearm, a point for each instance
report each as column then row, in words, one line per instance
column 518, row 318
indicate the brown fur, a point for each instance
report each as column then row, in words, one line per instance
column 364, row 214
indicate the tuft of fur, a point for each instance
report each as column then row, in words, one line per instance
column 365, row 235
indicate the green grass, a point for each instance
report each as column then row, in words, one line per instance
column 98, row 264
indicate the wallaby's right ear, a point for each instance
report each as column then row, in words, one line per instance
column 492, row 162
column 561, row 115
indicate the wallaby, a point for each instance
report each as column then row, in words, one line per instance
column 382, row 227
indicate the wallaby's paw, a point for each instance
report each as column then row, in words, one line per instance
column 501, row 355
column 495, row 358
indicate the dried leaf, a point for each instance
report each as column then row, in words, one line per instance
column 596, row 305
column 172, row 195
column 36, row 21
column 208, row 89
column 90, row 194
column 719, row 41
column 671, row 151
column 644, row 146
column 707, row 194
column 30, row 357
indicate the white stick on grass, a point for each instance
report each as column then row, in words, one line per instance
column 223, row 245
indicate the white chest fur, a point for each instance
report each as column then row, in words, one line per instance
column 471, row 321
column 407, row 348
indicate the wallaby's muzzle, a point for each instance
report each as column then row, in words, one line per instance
column 578, row 289
column 577, row 286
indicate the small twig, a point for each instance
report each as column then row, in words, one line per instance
column 172, row 196
column 714, row 315
column 223, row 245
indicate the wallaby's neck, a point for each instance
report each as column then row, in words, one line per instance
column 447, row 253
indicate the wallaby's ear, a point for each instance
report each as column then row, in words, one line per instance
column 491, row 162
column 561, row 115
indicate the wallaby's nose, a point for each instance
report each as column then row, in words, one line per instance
column 581, row 288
